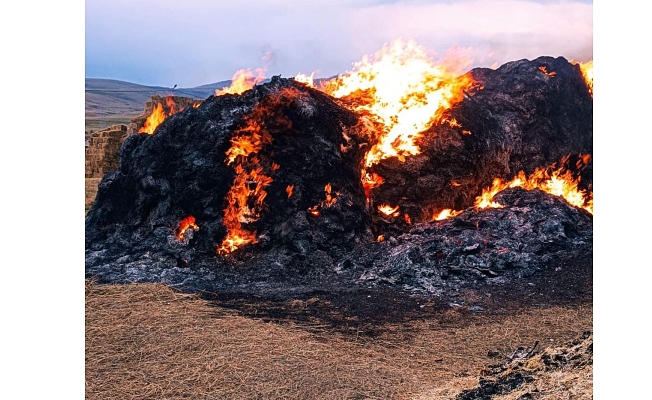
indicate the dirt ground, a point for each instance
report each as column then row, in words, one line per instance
column 146, row 341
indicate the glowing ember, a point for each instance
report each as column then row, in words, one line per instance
column 407, row 219
column 329, row 201
column 404, row 90
column 545, row 71
column 445, row 214
column 184, row 225
column 388, row 210
column 453, row 123
column 558, row 182
column 196, row 105
column 380, row 238
column 289, row 190
column 242, row 80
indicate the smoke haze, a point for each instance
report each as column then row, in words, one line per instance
column 166, row 42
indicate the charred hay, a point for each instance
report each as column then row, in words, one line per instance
column 314, row 227
column 516, row 118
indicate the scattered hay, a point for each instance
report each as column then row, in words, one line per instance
column 147, row 341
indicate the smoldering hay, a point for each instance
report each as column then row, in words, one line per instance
column 269, row 190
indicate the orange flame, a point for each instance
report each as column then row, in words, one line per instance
column 196, row 105
column 328, row 202
column 154, row 120
column 370, row 181
column 306, row 79
column 545, row 71
column 184, row 225
column 404, row 90
column 587, row 73
column 445, row 214
column 159, row 115
column 389, row 210
column 559, row 182
column 171, row 105
column 380, row 238
column 245, row 202
column 452, row 122
column 241, row 81
column 246, row 197
column 289, row 190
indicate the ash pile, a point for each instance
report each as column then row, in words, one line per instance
column 262, row 192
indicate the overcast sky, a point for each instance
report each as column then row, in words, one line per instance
column 195, row 42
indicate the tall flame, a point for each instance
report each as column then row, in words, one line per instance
column 558, row 182
column 404, row 90
column 242, row 80
column 244, row 205
column 246, row 197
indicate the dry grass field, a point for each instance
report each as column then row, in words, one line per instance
column 146, row 341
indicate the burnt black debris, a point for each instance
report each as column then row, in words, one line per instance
column 314, row 226
column 534, row 231
column 529, row 365
column 516, row 117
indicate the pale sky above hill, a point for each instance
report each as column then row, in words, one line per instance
column 164, row 42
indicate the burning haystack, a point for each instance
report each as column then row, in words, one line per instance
column 456, row 178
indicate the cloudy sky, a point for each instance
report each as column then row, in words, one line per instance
column 195, row 42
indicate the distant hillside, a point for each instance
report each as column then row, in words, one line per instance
column 105, row 97
column 109, row 97
column 110, row 102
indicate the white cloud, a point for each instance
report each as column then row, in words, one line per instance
column 165, row 42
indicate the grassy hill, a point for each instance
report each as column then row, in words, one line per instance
column 110, row 102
